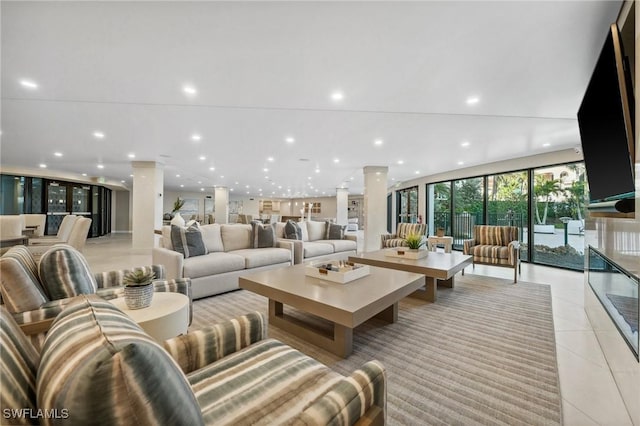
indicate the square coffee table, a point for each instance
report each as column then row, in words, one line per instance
column 437, row 267
column 345, row 305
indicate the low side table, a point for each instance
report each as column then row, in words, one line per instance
column 433, row 241
column 167, row 317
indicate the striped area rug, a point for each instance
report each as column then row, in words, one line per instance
column 484, row 353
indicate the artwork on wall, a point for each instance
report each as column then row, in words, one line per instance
column 190, row 208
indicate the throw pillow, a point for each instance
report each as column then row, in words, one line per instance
column 334, row 231
column 64, row 272
column 187, row 241
column 292, row 231
column 263, row 235
column 19, row 283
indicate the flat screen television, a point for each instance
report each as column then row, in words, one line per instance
column 606, row 121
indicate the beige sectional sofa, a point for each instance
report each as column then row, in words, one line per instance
column 230, row 254
column 314, row 246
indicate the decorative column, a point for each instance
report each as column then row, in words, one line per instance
column 342, row 206
column 147, row 193
column 221, row 204
column 375, row 206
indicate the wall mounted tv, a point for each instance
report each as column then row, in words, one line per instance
column 606, row 121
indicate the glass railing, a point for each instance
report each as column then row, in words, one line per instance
column 617, row 290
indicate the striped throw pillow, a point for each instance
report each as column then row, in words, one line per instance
column 19, row 282
column 100, row 366
column 64, row 272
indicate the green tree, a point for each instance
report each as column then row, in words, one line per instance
column 543, row 189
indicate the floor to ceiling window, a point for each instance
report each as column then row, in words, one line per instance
column 468, row 208
column 508, row 203
column 439, row 215
column 407, row 205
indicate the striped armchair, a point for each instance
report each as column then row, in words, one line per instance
column 402, row 230
column 495, row 245
column 225, row 374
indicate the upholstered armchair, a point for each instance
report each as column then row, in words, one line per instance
column 495, row 245
column 225, row 374
column 402, row 230
column 36, row 293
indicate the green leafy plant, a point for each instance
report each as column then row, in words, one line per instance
column 414, row 241
column 138, row 278
column 177, row 204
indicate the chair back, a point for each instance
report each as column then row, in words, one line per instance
column 65, row 227
column 495, row 235
column 37, row 220
column 79, row 233
column 11, row 226
column 404, row 229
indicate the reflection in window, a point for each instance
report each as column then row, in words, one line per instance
column 408, row 205
column 12, row 194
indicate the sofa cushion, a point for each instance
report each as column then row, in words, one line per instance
column 188, row 241
column 317, row 230
column 292, row 230
column 20, row 285
column 313, row 249
column 18, row 369
column 100, row 367
column 489, row 252
column 236, row 236
column 254, row 258
column 212, row 237
column 334, row 231
column 342, row 245
column 276, row 381
column 263, row 235
column 64, row 272
column 211, row 264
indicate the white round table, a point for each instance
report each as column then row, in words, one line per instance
column 167, row 317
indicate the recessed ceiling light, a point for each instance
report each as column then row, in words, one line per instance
column 231, row 189
column 546, row 144
column 417, row 172
column 309, row 177
column 290, row 140
column 177, row 175
column 129, row 175
column 465, row 144
column 201, row 189
column 221, row 177
column 189, row 90
column 202, row 157
column 181, row 186
column 84, row 174
column 378, row 142
column 378, row 173
column 100, row 166
column 265, row 170
column 247, row 186
column 460, row 163
column 317, row 170
column 43, row 166
column 279, row 186
column 29, row 84
column 472, row 100
column 98, row 134
column 336, row 160
column 266, row 177
column 400, row 161
column 196, row 137
column 212, row 168
column 247, row 192
column 57, row 154
column 199, row 182
column 132, row 155
column 337, row 96
column 121, row 181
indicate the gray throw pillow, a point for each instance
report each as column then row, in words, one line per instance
column 188, row 241
column 334, row 231
column 263, row 235
column 292, row 230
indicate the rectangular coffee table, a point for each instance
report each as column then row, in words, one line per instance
column 437, row 267
column 345, row 305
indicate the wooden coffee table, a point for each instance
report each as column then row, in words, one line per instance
column 345, row 305
column 437, row 267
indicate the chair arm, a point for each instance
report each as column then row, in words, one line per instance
column 298, row 249
column 514, row 252
column 116, row 278
column 172, row 261
column 467, row 244
column 350, row 398
column 385, row 237
column 46, row 311
column 287, row 244
column 178, row 285
column 202, row 347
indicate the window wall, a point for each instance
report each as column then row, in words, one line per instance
column 407, row 204
column 554, row 210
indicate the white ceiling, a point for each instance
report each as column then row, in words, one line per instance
column 264, row 71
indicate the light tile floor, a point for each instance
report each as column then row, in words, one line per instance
column 589, row 393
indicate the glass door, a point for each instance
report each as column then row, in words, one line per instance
column 57, row 207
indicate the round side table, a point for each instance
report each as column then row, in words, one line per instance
column 167, row 317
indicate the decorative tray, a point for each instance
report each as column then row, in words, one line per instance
column 407, row 253
column 338, row 271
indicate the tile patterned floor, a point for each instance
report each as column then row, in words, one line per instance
column 589, row 393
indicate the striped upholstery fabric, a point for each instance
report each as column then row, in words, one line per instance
column 493, row 245
column 350, row 398
column 100, row 366
column 402, row 231
column 19, row 282
column 266, row 383
column 202, row 347
column 18, row 369
column 64, row 272
column 115, row 278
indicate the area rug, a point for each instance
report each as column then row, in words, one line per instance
column 484, row 353
column 627, row 307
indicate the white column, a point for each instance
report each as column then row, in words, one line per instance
column 342, row 206
column 148, row 188
column 375, row 206
column 222, row 204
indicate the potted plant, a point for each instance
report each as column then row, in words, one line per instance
column 138, row 288
column 414, row 241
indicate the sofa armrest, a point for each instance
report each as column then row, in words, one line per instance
column 351, row 237
column 350, row 398
column 467, row 244
column 202, row 347
column 298, row 249
column 287, row 244
column 172, row 261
